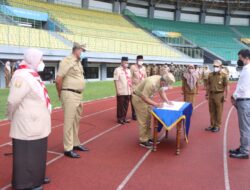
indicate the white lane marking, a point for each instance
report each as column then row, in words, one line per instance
column 8, row 143
column 60, row 155
column 144, row 157
column 225, row 164
column 59, row 125
column 132, row 172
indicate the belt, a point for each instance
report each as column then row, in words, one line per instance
column 214, row 92
column 242, row 99
column 72, row 90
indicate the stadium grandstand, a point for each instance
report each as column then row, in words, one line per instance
column 164, row 31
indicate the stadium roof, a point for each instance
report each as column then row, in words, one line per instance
column 207, row 4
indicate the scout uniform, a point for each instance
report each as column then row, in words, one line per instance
column 217, row 84
column 188, row 92
column 155, row 70
column 147, row 88
column 148, row 70
column 138, row 74
column 7, row 71
column 73, row 85
column 205, row 76
column 122, row 78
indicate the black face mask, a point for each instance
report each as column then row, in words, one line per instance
column 240, row 63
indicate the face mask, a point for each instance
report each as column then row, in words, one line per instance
column 41, row 67
column 240, row 63
column 125, row 65
column 164, row 88
column 140, row 63
column 191, row 70
column 216, row 69
column 83, row 56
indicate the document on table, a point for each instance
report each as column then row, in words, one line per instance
column 175, row 107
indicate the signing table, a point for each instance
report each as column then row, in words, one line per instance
column 177, row 115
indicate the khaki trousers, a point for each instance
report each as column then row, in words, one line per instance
column 143, row 114
column 216, row 102
column 189, row 98
column 72, row 107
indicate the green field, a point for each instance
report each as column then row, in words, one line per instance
column 93, row 91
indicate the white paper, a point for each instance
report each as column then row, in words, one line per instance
column 175, row 107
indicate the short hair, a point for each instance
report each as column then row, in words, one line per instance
column 241, row 51
column 245, row 53
column 139, row 57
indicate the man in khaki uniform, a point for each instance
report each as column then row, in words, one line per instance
column 217, row 91
column 7, row 71
column 142, row 102
column 138, row 74
column 70, row 85
column 148, row 70
column 190, row 84
column 205, row 75
column 123, row 86
column 155, row 70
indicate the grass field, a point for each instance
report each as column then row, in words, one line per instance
column 93, row 91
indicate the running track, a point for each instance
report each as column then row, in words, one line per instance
column 116, row 161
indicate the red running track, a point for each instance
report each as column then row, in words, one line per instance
column 116, row 161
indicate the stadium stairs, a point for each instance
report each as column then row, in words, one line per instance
column 218, row 40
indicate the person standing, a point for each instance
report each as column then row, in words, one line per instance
column 205, row 75
column 70, row 85
column 123, row 86
column 155, row 70
column 148, row 70
column 143, row 100
column 241, row 100
column 190, row 84
column 8, row 73
column 138, row 74
column 29, row 110
column 217, row 91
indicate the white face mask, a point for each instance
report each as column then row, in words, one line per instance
column 41, row 67
column 164, row 88
column 140, row 63
column 191, row 70
column 126, row 65
column 216, row 69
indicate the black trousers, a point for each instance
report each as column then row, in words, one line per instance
column 29, row 163
column 122, row 106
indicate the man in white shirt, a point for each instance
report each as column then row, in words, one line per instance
column 241, row 100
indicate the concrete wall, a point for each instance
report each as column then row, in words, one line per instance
column 102, row 6
column 189, row 17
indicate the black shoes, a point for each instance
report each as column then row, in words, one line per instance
column 38, row 188
column 123, row 121
column 213, row 129
column 71, row 154
column 234, row 151
column 46, row 181
column 239, row 155
column 126, row 121
column 80, row 148
column 152, row 141
column 134, row 118
column 146, row 145
column 120, row 122
column 209, row 129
